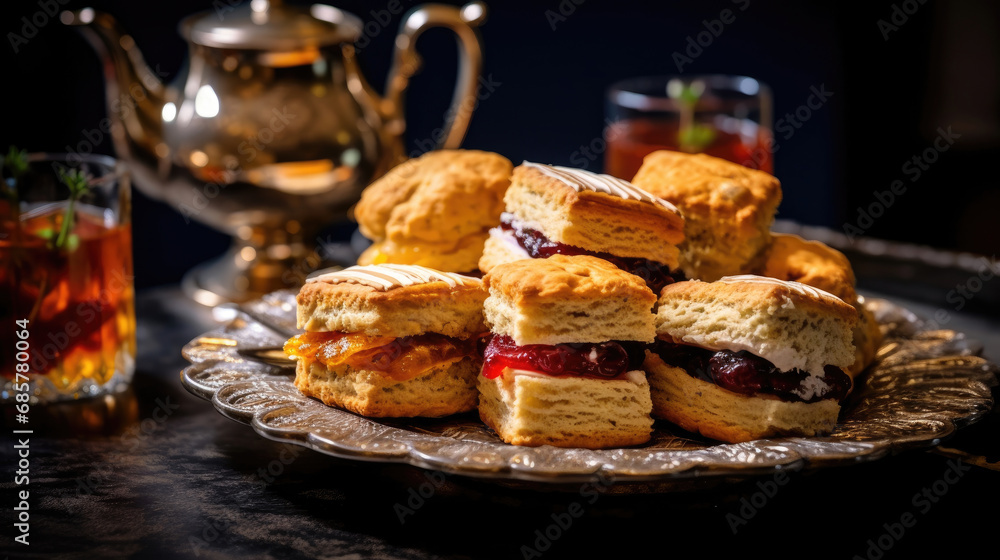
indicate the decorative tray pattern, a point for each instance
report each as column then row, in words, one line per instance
column 926, row 384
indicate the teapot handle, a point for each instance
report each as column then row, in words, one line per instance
column 406, row 62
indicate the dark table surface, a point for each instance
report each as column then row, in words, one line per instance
column 158, row 473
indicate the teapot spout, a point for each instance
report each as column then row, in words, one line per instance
column 135, row 94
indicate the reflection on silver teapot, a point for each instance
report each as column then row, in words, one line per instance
column 270, row 132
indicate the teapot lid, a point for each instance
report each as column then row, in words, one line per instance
column 270, row 25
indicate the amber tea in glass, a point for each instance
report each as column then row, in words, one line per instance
column 66, row 277
column 723, row 116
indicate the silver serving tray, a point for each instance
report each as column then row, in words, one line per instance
column 926, row 384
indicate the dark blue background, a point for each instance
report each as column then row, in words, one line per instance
column 940, row 68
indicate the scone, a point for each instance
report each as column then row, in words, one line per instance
column 728, row 209
column 558, row 210
column 563, row 365
column 390, row 340
column 435, row 210
column 867, row 338
column 789, row 257
column 749, row 357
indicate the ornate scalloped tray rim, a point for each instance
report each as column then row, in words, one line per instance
column 926, row 384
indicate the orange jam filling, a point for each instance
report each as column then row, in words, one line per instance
column 399, row 358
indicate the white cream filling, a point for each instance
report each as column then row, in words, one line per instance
column 783, row 358
column 811, row 387
column 517, row 223
column 510, row 241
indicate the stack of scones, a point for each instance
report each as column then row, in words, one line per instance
column 573, row 309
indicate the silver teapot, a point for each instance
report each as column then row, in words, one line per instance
column 270, row 132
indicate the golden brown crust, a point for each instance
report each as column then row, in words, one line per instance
column 440, row 391
column 434, row 307
column 657, row 216
column 702, row 407
column 463, row 259
column 793, row 326
column 792, row 258
column 568, row 299
column 810, row 262
column 595, row 221
column 566, row 278
column 758, row 292
column 867, row 339
column 444, row 201
column 711, row 187
column 728, row 209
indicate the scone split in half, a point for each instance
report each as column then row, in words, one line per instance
column 563, row 367
column 791, row 258
column 559, row 210
column 390, row 340
column 749, row 357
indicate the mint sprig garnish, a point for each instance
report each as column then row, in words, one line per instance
column 15, row 163
column 78, row 185
column 692, row 137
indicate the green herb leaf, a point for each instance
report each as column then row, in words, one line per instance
column 697, row 137
column 16, row 161
column 16, row 164
column 75, row 180
column 78, row 185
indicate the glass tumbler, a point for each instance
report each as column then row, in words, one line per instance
column 724, row 116
column 66, row 283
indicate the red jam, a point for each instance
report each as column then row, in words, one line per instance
column 604, row 360
column 748, row 374
column 656, row 275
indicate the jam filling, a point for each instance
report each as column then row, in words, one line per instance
column 603, row 360
column 748, row 374
column 399, row 358
column 656, row 275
